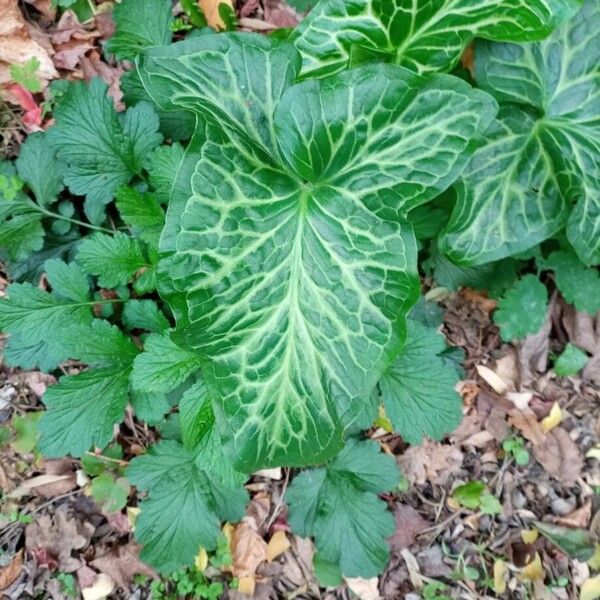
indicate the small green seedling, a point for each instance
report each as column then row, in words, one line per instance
column 474, row 495
column 26, row 75
column 515, row 447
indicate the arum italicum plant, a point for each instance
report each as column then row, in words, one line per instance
column 277, row 233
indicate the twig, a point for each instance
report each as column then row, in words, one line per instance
column 280, row 501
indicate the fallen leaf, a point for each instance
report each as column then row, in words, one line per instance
column 201, row 560
column 92, row 66
column 413, row 568
column 100, row 589
column 529, row 536
column 500, row 576
column 52, row 539
column 553, row 419
column 409, row 523
column 248, row 550
column 277, row 545
column 559, row 456
column 577, row 543
column 527, row 424
column 122, row 564
column 17, row 94
column 478, row 298
column 210, row 8
column 10, row 573
column 19, row 42
column 492, row 379
column 590, row 590
column 71, row 41
column 430, row 462
column 41, row 482
column 580, row 517
column 364, row 589
column 534, row 571
column 281, row 16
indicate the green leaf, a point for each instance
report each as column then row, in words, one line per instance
column 150, row 406
column 144, row 314
column 102, row 150
column 578, row 284
column 82, row 411
column 142, row 213
column 113, row 258
column 140, row 24
column 299, row 313
column 26, row 433
column 37, row 320
column 26, row 74
column 38, row 168
column 421, row 35
column 535, row 170
column 523, row 309
column 490, row 505
column 417, row 389
column 339, row 507
column 469, row 494
column 110, row 492
column 571, row 361
column 21, row 231
column 94, row 465
column 193, row 12
column 184, row 506
column 577, row 543
column 196, row 413
column 163, row 365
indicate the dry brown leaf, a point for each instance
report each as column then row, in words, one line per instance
column 492, row 379
column 430, row 462
column 248, row 550
column 280, row 15
column 41, row 482
column 210, row 8
column 37, row 382
column 46, row 7
column 526, row 422
column 364, row 589
column 92, row 66
column 409, row 523
column 122, row 564
column 580, row 517
column 52, row 539
column 559, row 456
column 21, row 41
column 471, row 295
column 10, row 573
column 71, row 41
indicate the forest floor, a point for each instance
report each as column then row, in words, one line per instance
column 526, row 452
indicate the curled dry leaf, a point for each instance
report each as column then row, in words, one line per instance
column 19, row 42
column 122, row 564
column 93, row 66
column 431, row 461
column 210, row 8
column 10, row 573
column 71, row 41
column 248, row 550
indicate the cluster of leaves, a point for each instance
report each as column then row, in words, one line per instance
column 246, row 249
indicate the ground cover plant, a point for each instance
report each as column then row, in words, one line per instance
column 235, row 258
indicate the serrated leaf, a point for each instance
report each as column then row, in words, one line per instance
column 144, row 314
column 310, row 300
column 522, row 310
column 197, row 417
column 82, row 410
column 102, row 150
column 38, row 168
column 150, row 407
column 424, row 36
column 535, row 171
column 142, row 213
column 140, row 24
column 110, row 492
column 417, row 389
column 163, row 365
column 21, row 231
column 68, row 281
column 38, row 319
column 339, row 507
column 578, row 284
column 183, row 508
column 571, row 360
column 114, row 259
